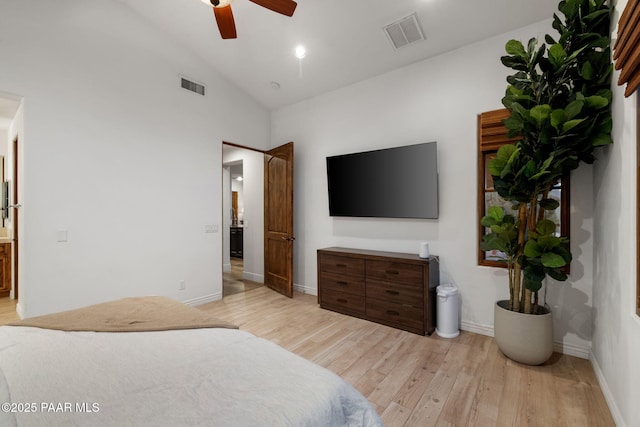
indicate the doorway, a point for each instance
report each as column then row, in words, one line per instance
column 242, row 219
column 267, row 214
column 10, row 130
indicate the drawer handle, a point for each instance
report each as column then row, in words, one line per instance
column 393, row 313
column 342, row 300
column 341, row 283
column 396, row 272
column 390, row 292
column 341, row 265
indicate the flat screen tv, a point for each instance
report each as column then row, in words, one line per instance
column 399, row 182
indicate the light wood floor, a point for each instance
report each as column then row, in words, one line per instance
column 8, row 310
column 232, row 281
column 424, row 381
column 413, row 380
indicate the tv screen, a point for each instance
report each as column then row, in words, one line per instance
column 400, row 182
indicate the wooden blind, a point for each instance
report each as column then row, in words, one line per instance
column 491, row 131
column 627, row 47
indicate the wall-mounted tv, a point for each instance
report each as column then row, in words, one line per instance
column 399, row 182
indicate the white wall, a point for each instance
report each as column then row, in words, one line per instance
column 616, row 338
column 226, row 217
column 4, row 142
column 253, row 196
column 434, row 100
column 117, row 154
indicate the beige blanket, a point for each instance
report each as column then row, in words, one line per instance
column 137, row 314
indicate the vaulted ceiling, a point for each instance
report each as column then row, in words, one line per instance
column 344, row 39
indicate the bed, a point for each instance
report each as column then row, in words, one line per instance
column 153, row 362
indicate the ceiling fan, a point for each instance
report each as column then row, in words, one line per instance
column 224, row 15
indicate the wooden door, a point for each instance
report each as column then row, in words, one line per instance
column 278, row 219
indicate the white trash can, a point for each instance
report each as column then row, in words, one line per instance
column 447, row 309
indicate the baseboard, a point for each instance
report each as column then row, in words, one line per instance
column 571, row 350
column 305, row 289
column 20, row 310
column 558, row 346
column 608, row 396
column 259, row 278
column 477, row 328
column 203, row 300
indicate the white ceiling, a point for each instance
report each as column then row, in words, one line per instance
column 344, row 38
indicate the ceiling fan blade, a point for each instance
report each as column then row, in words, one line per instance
column 226, row 24
column 285, row 7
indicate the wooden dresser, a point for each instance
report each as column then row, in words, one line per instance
column 394, row 289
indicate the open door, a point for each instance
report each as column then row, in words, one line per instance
column 278, row 219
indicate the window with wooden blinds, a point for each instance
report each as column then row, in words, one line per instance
column 627, row 47
column 492, row 134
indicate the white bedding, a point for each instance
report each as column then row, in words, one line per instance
column 194, row 377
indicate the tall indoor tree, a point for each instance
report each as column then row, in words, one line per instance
column 559, row 100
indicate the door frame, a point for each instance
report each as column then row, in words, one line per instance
column 264, row 153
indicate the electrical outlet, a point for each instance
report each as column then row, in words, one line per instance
column 183, row 285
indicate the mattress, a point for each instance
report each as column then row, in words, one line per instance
column 188, row 377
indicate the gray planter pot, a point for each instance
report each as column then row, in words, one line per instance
column 525, row 338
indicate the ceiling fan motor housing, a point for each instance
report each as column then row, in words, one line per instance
column 220, row 3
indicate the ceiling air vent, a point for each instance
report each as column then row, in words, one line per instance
column 404, row 31
column 192, row 86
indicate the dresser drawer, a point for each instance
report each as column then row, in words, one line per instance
column 395, row 292
column 342, row 301
column 397, row 314
column 342, row 283
column 341, row 265
column 396, row 272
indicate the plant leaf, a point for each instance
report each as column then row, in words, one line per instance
column 573, row 109
column 601, row 139
column 515, row 48
column 551, row 260
column 496, row 212
column 557, row 55
column 540, row 113
column 567, row 126
column 533, row 277
column 557, row 117
column 549, row 204
column 546, row 227
column 597, row 102
column 531, row 249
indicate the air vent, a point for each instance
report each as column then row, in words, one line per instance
column 404, row 32
column 192, row 86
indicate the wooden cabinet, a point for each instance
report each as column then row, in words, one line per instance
column 394, row 289
column 5, row 269
column 236, row 242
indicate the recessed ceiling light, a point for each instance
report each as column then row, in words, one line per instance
column 275, row 85
column 300, row 52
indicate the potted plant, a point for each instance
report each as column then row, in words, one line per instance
column 559, row 102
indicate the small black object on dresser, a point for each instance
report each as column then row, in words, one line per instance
column 394, row 289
